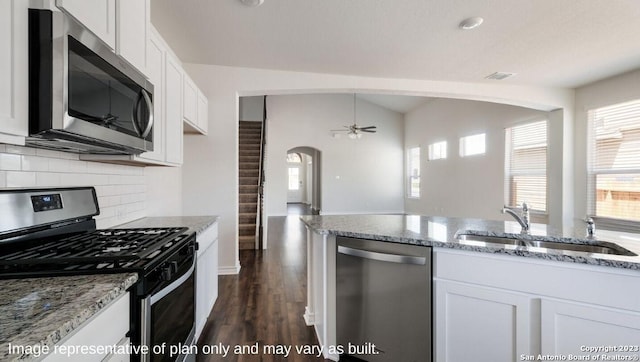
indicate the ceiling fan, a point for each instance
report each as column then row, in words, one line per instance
column 354, row 131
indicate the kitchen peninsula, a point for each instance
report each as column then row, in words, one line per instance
column 495, row 302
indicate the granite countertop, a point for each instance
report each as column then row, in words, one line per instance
column 441, row 232
column 42, row 311
column 196, row 224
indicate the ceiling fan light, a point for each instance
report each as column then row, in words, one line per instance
column 353, row 135
column 358, row 135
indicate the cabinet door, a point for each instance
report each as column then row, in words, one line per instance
column 190, row 101
column 99, row 16
column 173, row 110
column 133, row 29
column 155, row 70
column 568, row 327
column 474, row 323
column 106, row 328
column 203, row 112
column 13, row 71
column 207, row 277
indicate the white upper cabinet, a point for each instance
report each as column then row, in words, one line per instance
column 132, row 23
column 173, row 109
column 194, row 107
column 97, row 15
column 190, row 100
column 155, row 69
column 203, row 112
column 13, row 71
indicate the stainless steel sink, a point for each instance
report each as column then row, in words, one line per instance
column 534, row 245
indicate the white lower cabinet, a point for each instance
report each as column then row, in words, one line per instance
column 570, row 328
column 207, row 275
column 475, row 323
column 506, row 308
column 107, row 328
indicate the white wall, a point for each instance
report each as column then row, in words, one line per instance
column 121, row 189
column 462, row 187
column 209, row 173
column 358, row 176
column 251, row 108
column 610, row 91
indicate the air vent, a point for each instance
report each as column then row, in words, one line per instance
column 500, row 75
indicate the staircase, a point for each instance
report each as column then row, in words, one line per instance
column 249, row 170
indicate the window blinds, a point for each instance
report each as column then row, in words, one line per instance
column 614, row 161
column 526, row 165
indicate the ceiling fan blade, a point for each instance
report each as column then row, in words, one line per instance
column 338, row 130
column 368, row 127
column 368, row 130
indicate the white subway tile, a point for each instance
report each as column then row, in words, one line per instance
column 10, row 162
column 20, row 150
column 21, row 179
column 46, row 179
column 95, row 167
column 35, row 163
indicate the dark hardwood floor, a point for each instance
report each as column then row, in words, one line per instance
column 264, row 304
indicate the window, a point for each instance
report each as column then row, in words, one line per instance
column 614, row 164
column 526, row 165
column 294, row 178
column 294, row 157
column 472, row 145
column 438, row 150
column 414, row 172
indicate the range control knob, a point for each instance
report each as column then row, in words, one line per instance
column 166, row 273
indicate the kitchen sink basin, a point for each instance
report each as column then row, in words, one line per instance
column 598, row 247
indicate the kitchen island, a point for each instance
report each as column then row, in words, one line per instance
column 491, row 302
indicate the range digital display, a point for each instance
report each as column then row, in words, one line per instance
column 46, row 202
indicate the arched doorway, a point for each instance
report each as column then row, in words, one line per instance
column 303, row 186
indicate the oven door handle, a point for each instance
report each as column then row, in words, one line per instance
column 171, row 287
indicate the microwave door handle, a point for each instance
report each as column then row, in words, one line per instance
column 136, row 122
column 147, row 101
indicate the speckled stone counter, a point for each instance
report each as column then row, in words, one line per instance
column 194, row 223
column 42, row 311
column 441, row 232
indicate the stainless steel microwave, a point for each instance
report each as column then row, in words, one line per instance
column 82, row 96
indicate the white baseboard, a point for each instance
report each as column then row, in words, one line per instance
column 229, row 270
column 309, row 317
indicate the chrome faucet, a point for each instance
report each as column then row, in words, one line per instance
column 522, row 220
column 591, row 227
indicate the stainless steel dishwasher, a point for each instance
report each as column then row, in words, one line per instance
column 383, row 299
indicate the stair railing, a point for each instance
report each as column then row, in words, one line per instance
column 261, row 178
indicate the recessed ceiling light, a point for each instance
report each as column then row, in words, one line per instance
column 470, row 23
column 252, row 3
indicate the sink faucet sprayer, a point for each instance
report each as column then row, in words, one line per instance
column 522, row 220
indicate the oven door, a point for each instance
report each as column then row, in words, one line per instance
column 168, row 317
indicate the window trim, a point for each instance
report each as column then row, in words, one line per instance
column 537, row 215
column 603, row 222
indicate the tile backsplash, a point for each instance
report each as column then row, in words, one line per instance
column 121, row 189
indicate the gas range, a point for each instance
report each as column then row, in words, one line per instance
column 91, row 252
column 52, row 232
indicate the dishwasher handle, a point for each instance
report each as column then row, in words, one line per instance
column 391, row 258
